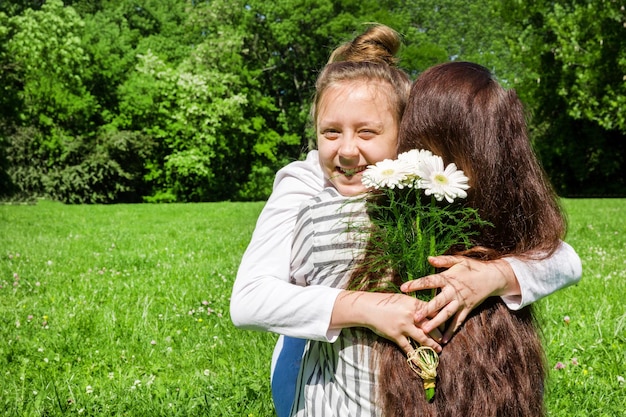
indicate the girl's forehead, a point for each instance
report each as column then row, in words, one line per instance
column 373, row 87
column 344, row 96
column 362, row 90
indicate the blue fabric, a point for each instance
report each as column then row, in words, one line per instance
column 286, row 367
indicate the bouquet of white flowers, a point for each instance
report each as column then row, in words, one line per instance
column 415, row 213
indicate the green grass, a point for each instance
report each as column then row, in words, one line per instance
column 593, row 345
column 123, row 310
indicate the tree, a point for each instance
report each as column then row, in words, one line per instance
column 214, row 95
column 454, row 30
column 57, row 143
column 205, row 114
column 52, row 65
column 16, row 7
column 45, row 84
column 574, row 60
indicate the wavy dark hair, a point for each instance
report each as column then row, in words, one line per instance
column 494, row 365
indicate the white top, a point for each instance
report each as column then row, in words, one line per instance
column 335, row 379
column 264, row 299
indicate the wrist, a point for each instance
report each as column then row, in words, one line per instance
column 351, row 309
column 509, row 284
column 344, row 310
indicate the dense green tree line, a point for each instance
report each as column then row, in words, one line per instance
column 575, row 52
column 151, row 100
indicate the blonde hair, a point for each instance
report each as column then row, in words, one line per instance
column 369, row 57
column 378, row 44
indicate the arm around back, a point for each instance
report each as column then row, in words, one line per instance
column 263, row 297
column 539, row 278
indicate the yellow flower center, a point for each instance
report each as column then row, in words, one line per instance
column 441, row 179
column 388, row 172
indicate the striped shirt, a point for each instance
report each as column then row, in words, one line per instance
column 335, row 378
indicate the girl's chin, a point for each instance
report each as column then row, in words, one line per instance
column 348, row 188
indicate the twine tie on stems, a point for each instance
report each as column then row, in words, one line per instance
column 424, row 361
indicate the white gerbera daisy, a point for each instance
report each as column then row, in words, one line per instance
column 415, row 157
column 413, row 160
column 386, row 173
column 448, row 183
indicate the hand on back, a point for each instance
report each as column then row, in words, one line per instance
column 389, row 315
column 464, row 285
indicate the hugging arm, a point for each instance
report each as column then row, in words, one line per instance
column 467, row 282
column 264, row 299
column 262, row 296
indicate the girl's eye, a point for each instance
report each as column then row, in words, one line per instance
column 367, row 134
column 331, row 133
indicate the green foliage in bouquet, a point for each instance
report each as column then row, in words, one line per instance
column 416, row 210
column 410, row 227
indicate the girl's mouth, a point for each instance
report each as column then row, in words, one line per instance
column 349, row 172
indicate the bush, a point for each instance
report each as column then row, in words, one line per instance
column 105, row 169
column 259, row 185
column 27, row 163
column 189, row 176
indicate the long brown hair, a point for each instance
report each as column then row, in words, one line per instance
column 460, row 112
column 494, row 365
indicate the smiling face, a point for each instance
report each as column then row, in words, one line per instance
column 356, row 127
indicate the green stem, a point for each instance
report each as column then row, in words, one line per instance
column 432, row 250
column 418, row 229
column 430, row 394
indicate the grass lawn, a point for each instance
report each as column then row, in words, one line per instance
column 123, row 310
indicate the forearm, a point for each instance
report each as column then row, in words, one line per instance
column 465, row 283
column 539, row 278
column 504, row 282
column 350, row 310
column 269, row 304
column 262, row 297
column 389, row 315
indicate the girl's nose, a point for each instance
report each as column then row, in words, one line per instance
column 348, row 147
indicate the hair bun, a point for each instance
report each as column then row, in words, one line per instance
column 378, row 44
